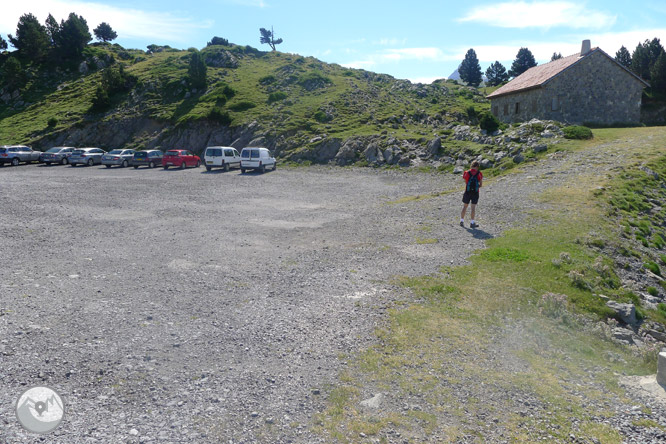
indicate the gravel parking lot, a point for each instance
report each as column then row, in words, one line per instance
column 186, row 306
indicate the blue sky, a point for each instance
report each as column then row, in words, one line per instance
column 416, row 40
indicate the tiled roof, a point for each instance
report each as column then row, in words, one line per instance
column 540, row 74
column 537, row 76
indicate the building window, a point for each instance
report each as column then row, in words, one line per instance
column 555, row 105
column 517, row 108
column 495, row 110
column 506, row 110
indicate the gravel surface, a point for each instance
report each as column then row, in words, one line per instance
column 185, row 306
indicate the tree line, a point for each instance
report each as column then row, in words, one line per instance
column 647, row 61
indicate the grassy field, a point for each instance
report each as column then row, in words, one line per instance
column 522, row 319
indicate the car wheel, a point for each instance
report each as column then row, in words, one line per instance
column 108, row 166
column 166, row 167
column 226, row 167
column 136, row 166
column 125, row 164
column 64, row 161
column 92, row 162
column 15, row 161
column 182, row 165
column 208, row 168
column 198, row 164
column 242, row 170
column 263, row 169
column 48, row 163
column 72, row 165
column 151, row 165
column 275, row 166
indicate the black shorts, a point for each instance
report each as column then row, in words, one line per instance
column 471, row 195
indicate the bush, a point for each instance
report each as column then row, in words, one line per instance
column 653, row 291
column 217, row 115
column 242, row 106
column 276, row 96
column 489, row 122
column 218, row 41
column 267, row 80
column 577, row 132
column 654, row 268
column 52, row 122
column 321, row 117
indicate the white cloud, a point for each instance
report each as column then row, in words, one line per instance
column 360, row 64
column 426, row 80
column 128, row 23
column 539, row 14
column 390, row 42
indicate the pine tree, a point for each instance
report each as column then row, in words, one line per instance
column 640, row 61
column 658, row 74
column 623, row 57
column 496, row 74
column 12, row 74
column 556, row 56
column 105, row 33
column 31, row 39
column 53, row 31
column 268, row 37
column 197, row 71
column 3, row 44
column 74, row 36
column 524, row 61
column 470, row 70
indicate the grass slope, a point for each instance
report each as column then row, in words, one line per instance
column 509, row 348
column 289, row 95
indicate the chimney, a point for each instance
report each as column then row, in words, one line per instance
column 585, row 48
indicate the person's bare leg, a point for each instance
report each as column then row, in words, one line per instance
column 464, row 210
column 473, row 211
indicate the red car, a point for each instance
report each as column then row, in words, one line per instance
column 181, row 159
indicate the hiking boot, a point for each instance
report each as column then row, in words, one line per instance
column 462, row 224
column 474, row 225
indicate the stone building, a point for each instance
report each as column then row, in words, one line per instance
column 586, row 87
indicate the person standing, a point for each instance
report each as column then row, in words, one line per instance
column 473, row 180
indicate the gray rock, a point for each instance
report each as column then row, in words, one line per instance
column 623, row 335
column 373, row 154
column 485, row 163
column 626, row 312
column 540, row 148
column 458, row 170
column 373, row 403
column 327, row 150
column 500, row 155
column 519, row 158
column 83, row 68
column 435, row 145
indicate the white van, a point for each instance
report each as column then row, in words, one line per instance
column 256, row 158
column 221, row 157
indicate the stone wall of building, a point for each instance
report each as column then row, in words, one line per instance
column 595, row 90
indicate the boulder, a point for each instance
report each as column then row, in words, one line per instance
column 540, row 148
column 485, row 163
column 626, row 312
column 327, row 150
column 392, row 155
column 221, row 59
column 458, row 170
column 373, row 403
column 434, row 146
column 623, row 335
column 372, row 153
column 519, row 158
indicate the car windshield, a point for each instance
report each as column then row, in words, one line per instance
column 54, row 150
column 3, row 150
column 173, row 153
column 116, row 152
column 78, row 151
column 140, row 154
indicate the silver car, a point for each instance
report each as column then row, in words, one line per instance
column 15, row 154
column 86, row 156
column 121, row 158
column 57, row 154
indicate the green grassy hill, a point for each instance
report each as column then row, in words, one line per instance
column 287, row 99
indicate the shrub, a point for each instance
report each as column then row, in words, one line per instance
column 653, row 267
column 267, row 80
column 488, row 122
column 242, row 106
column 577, row 132
column 276, row 96
column 313, row 80
column 652, row 291
column 218, row 41
column 52, row 122
column 217, row 115
column 322, row 117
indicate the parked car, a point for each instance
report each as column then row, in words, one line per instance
column 86, row 156
column 15, row 154
column 57, row 154
column 257, row 159
column 151, row 158
column 121, row 158
column 180, row 159
column 222, row 157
